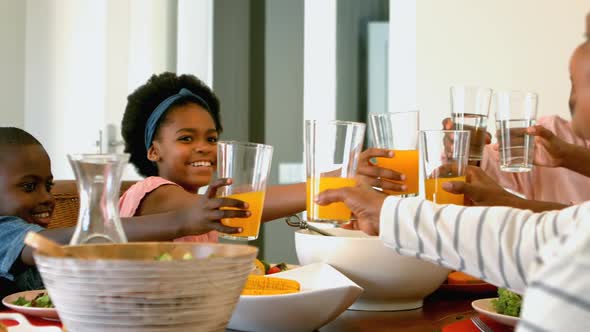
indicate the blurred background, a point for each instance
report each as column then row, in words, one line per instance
column 68, row 65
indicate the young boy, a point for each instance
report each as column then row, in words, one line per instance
column 26, row 204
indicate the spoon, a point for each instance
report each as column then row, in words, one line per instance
column 302, row 224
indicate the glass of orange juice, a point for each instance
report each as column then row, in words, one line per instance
column 332, row 149
column 398, row 132
column 445, row 155
column 248, row 165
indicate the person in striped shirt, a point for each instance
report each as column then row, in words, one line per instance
column 544, row 255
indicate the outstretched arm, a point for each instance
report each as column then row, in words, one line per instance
column 481, row 190
column 496, row 244
column 195, row 219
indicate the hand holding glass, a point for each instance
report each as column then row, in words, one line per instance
column 445, row 154
column 398, row 132
column 248, row 165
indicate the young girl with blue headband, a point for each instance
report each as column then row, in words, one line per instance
column 171, row 126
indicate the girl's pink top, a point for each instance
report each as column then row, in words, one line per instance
column 131, row 199
column 544, row 183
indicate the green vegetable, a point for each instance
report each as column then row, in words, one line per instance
column 266, row 266
column 282, row 267
column 164, row 257
column 40, row 301
column 22, row 302
column 508, row 303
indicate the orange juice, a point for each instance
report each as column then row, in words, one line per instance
column 435, row 192
column 250, row 225
column 334, row 211
column 406, row 162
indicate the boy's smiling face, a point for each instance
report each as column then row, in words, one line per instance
column 25, row 183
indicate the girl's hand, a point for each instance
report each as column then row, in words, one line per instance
column 364, row 202
column 206, row 216
column 370, row 174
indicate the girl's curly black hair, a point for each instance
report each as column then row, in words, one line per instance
column 146, row 98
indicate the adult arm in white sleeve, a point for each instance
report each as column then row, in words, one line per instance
column 496, row 244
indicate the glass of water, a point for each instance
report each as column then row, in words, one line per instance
column 470, row 107
column 515, row 112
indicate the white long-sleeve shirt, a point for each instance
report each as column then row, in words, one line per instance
column 545, row 255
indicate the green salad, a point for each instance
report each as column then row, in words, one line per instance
column 508, row 303
column 40, row 301
column 167, row 257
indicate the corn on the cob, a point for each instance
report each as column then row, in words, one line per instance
column 260, row 285
column 268, row 291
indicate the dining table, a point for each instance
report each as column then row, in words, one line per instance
column 443, row 311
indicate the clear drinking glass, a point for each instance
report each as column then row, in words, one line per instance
column 515, row 112
column 445, row 154
column 398, row 132
column 470, row 108
column 332, row 149
column 248, row 165
column 99, row 181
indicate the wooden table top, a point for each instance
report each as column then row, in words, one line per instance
column 440, row 309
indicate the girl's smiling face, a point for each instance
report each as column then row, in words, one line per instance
column 185, row 148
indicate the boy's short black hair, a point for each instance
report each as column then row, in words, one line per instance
column 142, row 102
column 12, row 136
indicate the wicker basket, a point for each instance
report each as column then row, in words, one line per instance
column 126, row 289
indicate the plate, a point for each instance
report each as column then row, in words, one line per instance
column 485, row 307
column 325, row 294
column 24, row 325
column 46, row 313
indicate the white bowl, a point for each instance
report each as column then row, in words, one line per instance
column 391, row 281
column 325, row 294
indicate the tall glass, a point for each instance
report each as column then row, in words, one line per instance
column 470, row 108
column 398, row 132
column 445, row 154
column 515, row 112
column 248, row 165
column 99, row 181
column 332, row 149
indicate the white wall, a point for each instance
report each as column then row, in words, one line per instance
column 81, row 58
column 503, row 44
column 65, row 77
column 319, row 60
column 12, row 39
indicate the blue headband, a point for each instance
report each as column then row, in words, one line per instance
column 152, row 122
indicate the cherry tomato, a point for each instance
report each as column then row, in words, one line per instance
column 274, row 269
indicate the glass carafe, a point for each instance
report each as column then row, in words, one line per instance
column 99, row 181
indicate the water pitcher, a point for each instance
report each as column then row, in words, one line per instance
column 99, row 182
